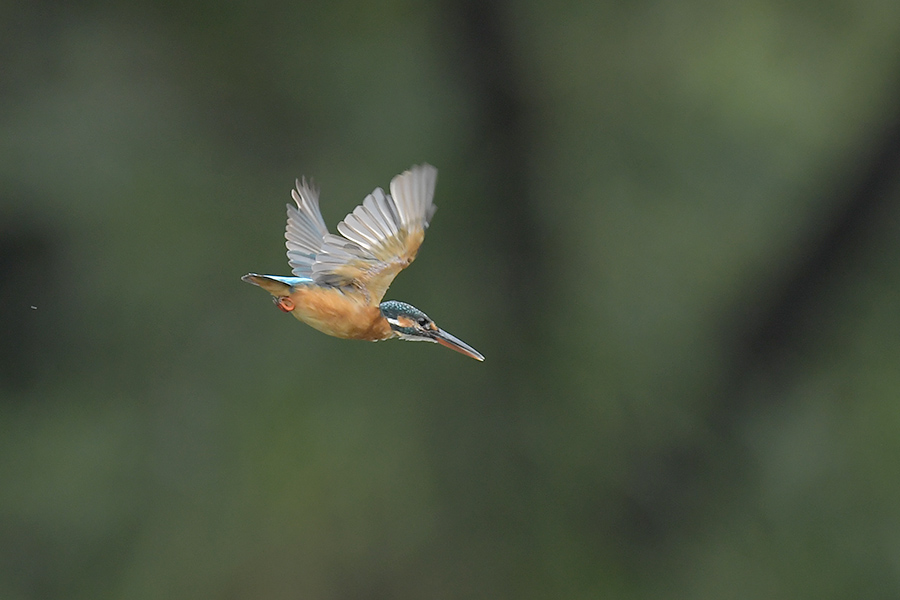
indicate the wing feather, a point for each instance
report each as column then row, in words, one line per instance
column 377, row 240
column 351, row 229
column 305, row 229
column 367, row 222
column 386, row 209
column 382, row 215
column 380, row 237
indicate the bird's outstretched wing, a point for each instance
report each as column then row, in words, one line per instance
column 305, row 229
column 377, row 240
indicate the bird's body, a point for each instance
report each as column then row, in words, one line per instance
column 340, row 312
column 338, row 282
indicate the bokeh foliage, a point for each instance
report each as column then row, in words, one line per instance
column 691, row 386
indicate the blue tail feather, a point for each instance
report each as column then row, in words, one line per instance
column 276, row 285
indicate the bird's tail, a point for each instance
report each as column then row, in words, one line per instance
column 274, row 284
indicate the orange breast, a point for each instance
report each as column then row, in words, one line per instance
column 341, row 314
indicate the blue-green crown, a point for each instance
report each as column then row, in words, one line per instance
column 392, row 310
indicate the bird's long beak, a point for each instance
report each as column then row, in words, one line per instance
column 445, row 339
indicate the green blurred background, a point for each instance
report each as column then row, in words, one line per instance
column 671, row 227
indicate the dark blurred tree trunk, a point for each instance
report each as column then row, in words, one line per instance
column 669, row 489
column 27, row 280
column 485, row 60
column 842, row 238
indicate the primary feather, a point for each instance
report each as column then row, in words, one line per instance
column 377, row 240
column 305, row 229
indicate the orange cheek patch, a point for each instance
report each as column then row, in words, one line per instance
column 405, row 322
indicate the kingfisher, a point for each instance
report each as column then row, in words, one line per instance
column 339, row 281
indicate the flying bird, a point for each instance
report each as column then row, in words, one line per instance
column 339, row 281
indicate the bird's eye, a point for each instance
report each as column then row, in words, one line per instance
column 422, row 321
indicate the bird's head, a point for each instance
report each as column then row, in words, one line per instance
column 411, row 324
